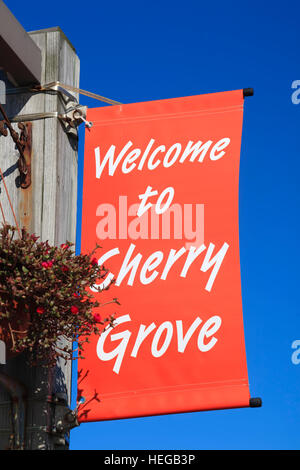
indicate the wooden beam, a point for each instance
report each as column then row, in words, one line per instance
column 47, row 208
column 20, row 57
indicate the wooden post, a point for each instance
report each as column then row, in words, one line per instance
column 47, row 208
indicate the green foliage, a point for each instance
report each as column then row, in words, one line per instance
column 49, row 285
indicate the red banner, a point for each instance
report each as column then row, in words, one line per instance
column 160, row 195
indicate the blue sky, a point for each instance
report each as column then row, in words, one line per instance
column 138, row 51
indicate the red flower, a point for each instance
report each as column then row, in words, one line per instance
column 97, row 317
column 94, row 261
column 74, row 310
column 64, row 246
column 40, row 310
column 47, row 264
column 65, row 269
column 76, row 295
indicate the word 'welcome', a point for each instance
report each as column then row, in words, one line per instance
column 153, row 156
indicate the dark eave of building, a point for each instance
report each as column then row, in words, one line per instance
column 20, row 57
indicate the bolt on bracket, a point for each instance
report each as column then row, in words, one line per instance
column 74, row 117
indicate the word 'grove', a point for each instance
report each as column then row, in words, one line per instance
column 205, row 341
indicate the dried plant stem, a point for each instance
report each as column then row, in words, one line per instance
column 12, row 335
column 107, row 303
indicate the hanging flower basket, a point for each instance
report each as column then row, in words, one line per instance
column 44, row 296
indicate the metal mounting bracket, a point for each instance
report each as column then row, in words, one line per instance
column 23, row 143
column 56, row 86
column 26, row 142
column 73, row 117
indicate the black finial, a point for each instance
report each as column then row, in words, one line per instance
column 248, row 92
column 255, row 402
